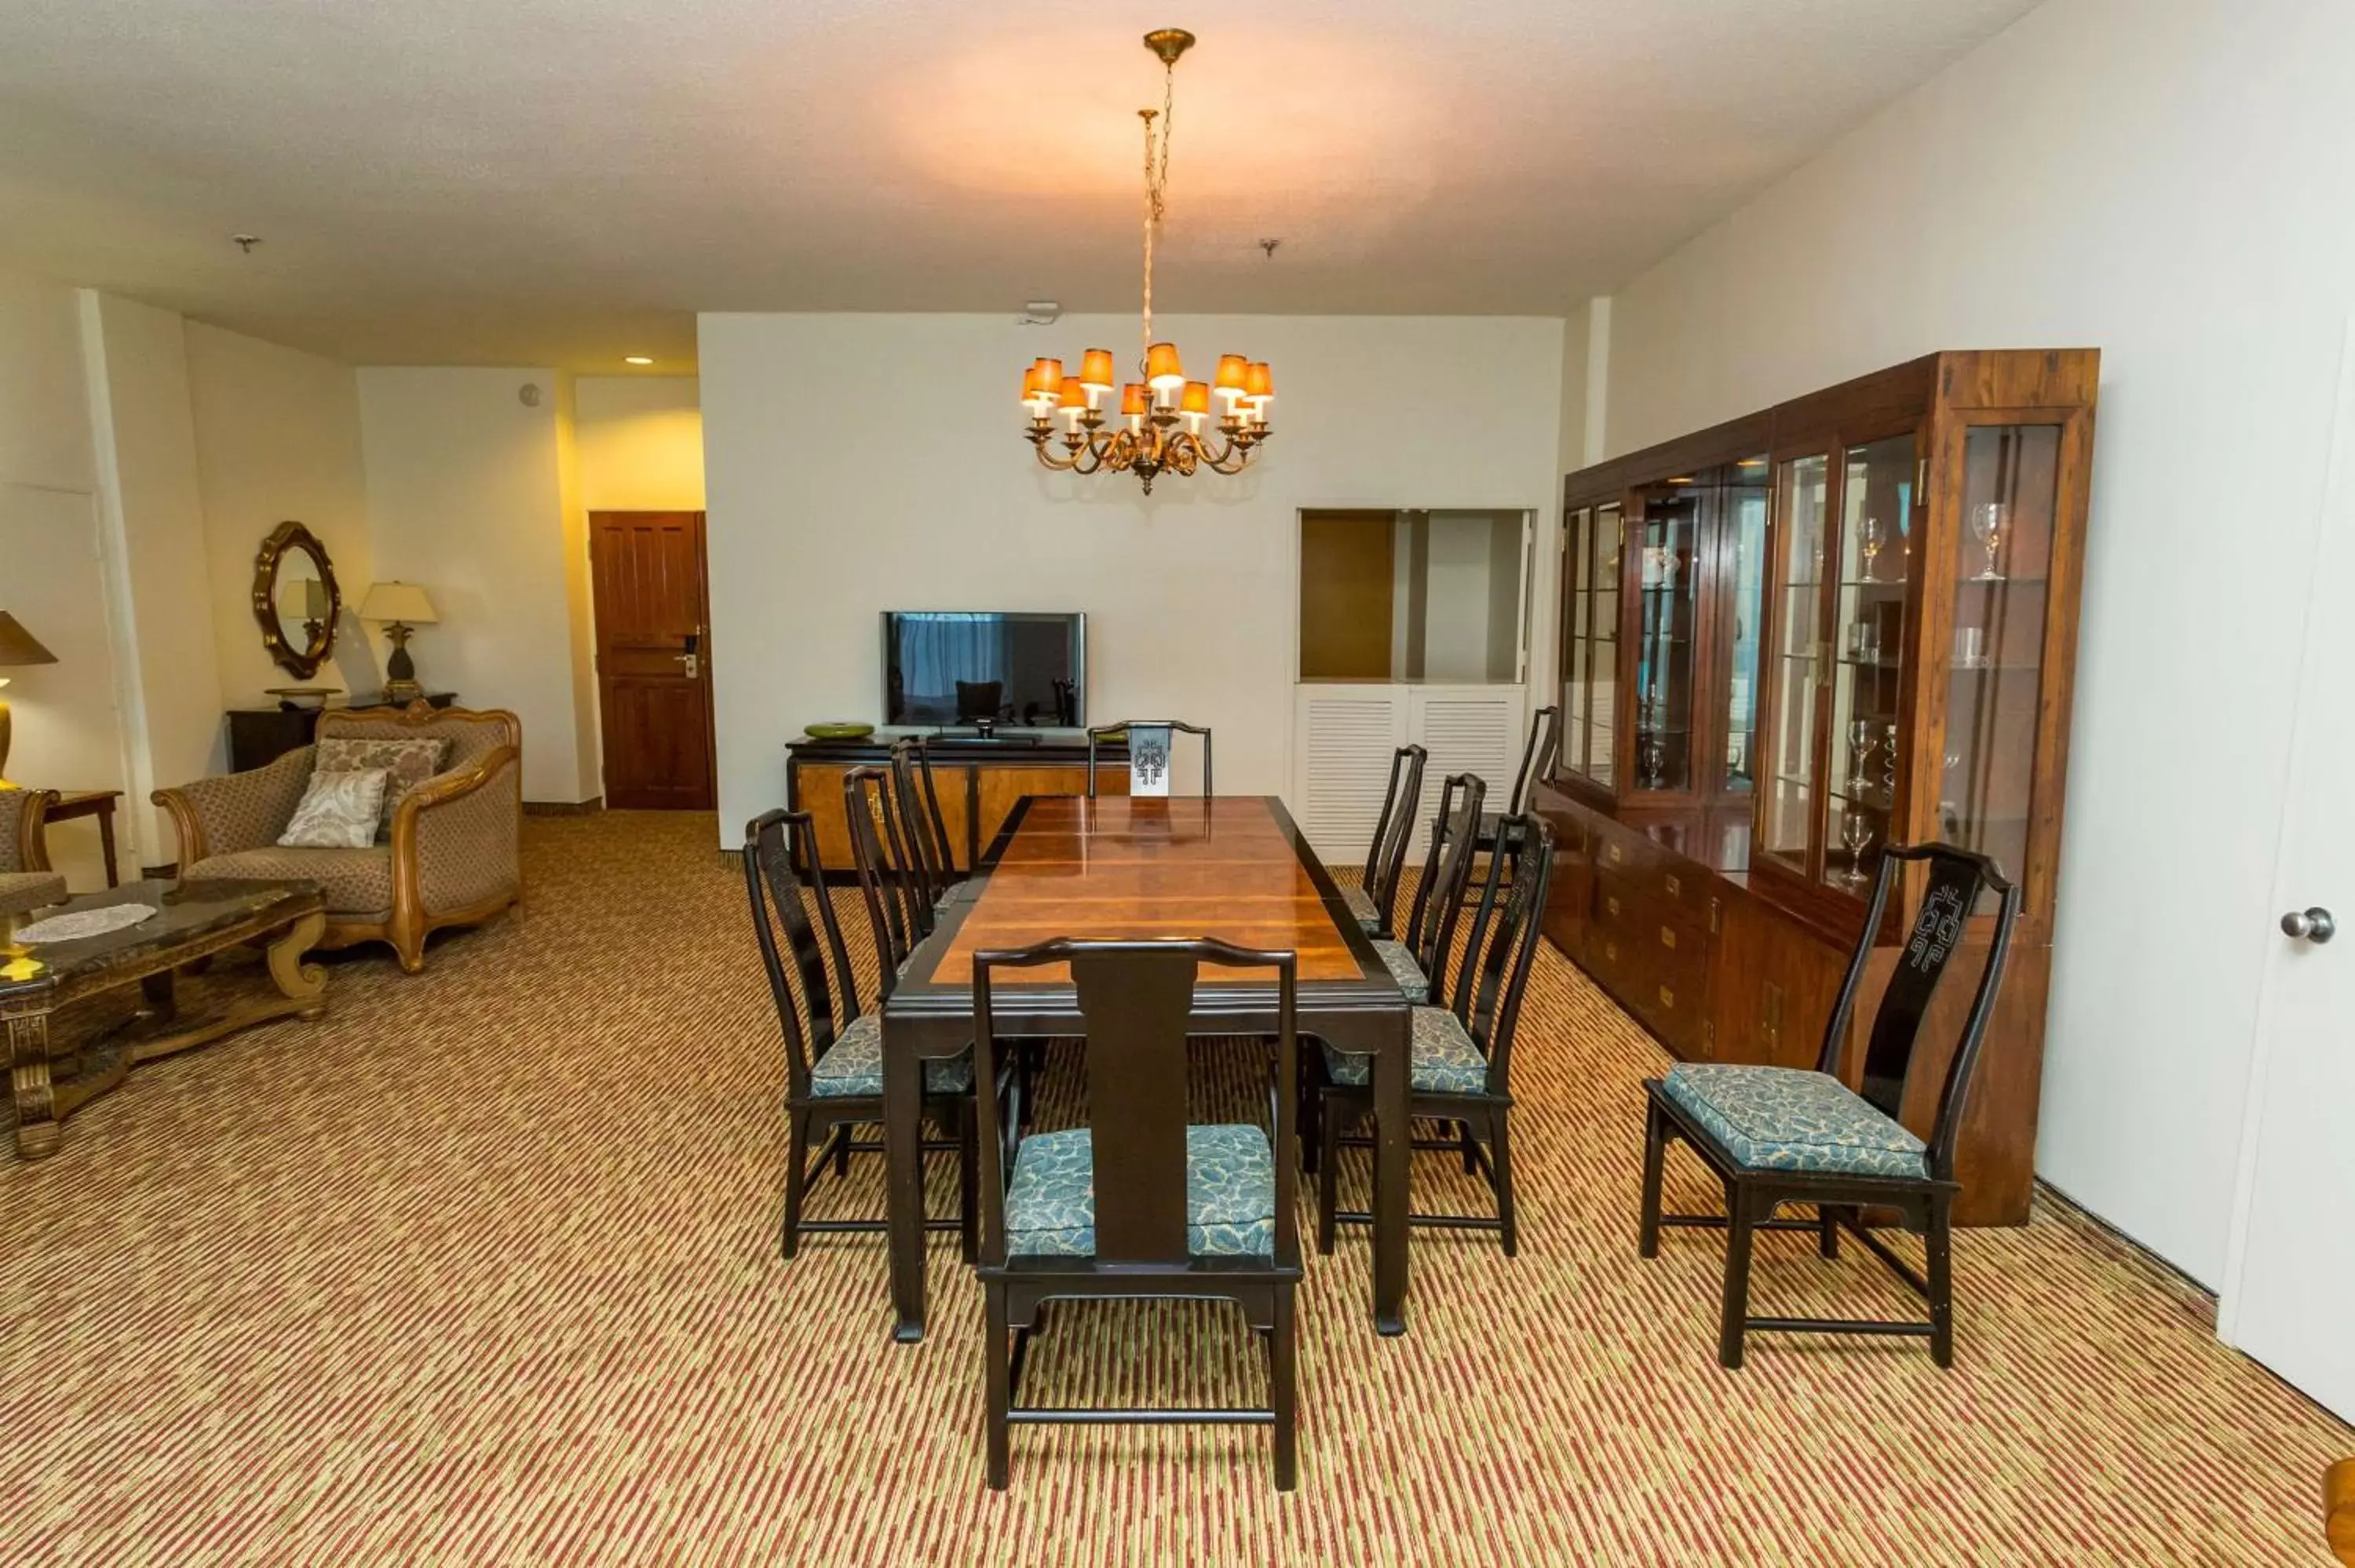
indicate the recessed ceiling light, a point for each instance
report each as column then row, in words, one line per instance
column 635, row 359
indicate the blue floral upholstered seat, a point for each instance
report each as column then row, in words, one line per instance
column 1447, row 1061
column 1050, row 1203
column 1784, row 1119
column 1361, row 905
column 853, row 1064
column 1405, row 969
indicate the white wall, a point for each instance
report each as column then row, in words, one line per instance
column 50, row 580
column 641, row 444
column 278, row 440
column 2165, row 180
column 864, row 462
column 465, row 498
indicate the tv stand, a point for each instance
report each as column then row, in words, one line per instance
column 978, row 778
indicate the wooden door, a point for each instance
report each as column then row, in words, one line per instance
column 653, row 658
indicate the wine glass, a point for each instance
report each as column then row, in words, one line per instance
column 1859, row 751
column 1855, row 835
column 1870, row 540
column 1988, row 525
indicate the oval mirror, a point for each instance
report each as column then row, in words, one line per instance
column 295, row 599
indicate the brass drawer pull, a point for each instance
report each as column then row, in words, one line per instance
column 1667, row 997
column 1668, row 938
column 1611, row 902
column 1617, row 854
column 1611, row 951
column 1676, row 888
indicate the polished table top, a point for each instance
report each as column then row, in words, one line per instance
column 1233, row 867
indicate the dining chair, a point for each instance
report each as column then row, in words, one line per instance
column 1148, row 754
column 1417, row 959
column 1784, row 1135
column 834, row 1062
column 1374, row 899
column 1139, row 1204
column 1538, row 755
column 919, row 806
column 1462, row 1054
column 898, row 911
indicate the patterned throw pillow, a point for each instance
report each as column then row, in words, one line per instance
column 339, row 812
column 406, row 763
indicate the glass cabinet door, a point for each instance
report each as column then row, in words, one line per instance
column 1671, row 530
column 1995, row 684
column 1603, row 646
column 1577, row 562
column 1786, row 824
column 1876, row 556
column 1744, row 520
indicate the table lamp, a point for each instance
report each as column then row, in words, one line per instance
column 17, row 646
column 399, row 606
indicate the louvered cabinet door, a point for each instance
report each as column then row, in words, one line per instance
column 1466, row 729
column 1343, row 737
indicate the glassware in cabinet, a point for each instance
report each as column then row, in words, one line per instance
column 1875, row 562
column 1803, row 486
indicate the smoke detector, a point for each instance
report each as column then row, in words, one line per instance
column 1042, row 312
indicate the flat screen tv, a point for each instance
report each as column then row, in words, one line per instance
column 958, row 667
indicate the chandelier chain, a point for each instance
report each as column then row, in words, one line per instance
column 1156, row 182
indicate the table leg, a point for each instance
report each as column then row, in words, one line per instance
column 106, row 840
column 296, row 980
column 28, row 1072
column 904, row 1156
column 1393, row 1071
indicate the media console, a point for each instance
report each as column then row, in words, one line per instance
column 978, row 779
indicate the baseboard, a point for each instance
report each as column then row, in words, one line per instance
column 564, row 808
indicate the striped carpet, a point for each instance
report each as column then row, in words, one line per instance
column 483, row 1270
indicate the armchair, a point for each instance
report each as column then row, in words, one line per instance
column 452, row 857
column 25, row 880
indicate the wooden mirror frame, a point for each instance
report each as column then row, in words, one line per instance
column 301, row 664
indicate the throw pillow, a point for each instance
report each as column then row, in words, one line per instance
column 338, row 810
column 407, row 763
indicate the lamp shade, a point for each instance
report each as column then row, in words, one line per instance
column 1162, row 371
column 1233, row 370
column 1095, row 369
column 1258, row 382
column 1134, row 398
column 18, row 646
column 404, row 602
column 1196, row 399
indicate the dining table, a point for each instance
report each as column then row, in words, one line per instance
column 1142, row 868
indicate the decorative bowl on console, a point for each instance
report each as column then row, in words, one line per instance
column 839, row 730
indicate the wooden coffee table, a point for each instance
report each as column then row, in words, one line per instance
column 56, row 1072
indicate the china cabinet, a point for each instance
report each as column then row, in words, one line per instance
column 1790, row 639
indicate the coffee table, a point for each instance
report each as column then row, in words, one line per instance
column 57, row 1073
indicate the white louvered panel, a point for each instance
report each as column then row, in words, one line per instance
column 1466, row 729
column 1343, row 738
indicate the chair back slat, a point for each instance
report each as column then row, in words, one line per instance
column 895, row 910
column 1098, row 734
column 797, row 972
column 918, row 809
column 1393, row 831
column 1955, row 880
column 1136, row 1007
column 1537, row 757
column 1503, row 943
column 1137, row 1002
column 1446, row 872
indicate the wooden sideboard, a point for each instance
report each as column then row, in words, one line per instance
column 260, row 736
column 978, row 781
column 1844, row 621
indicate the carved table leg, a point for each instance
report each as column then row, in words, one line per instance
column 28, row 1071
column 297, row 980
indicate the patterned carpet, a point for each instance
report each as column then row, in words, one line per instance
column 483, row 1270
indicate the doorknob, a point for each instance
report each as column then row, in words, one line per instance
column 2313, row 924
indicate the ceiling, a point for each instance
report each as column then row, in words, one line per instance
column 566, row 182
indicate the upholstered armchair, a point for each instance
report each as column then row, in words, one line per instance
column 25, row 880
column 452, row 856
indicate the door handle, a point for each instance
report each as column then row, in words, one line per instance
column 691, row 661
column 2309, row 925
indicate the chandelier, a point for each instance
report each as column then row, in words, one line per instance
column 1163, row 417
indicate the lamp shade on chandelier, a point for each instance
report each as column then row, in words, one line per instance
column 1165, row 423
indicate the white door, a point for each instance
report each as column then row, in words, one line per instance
column 1343, row 738
column 2289, row 1288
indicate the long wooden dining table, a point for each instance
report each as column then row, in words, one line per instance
column 1234, row 867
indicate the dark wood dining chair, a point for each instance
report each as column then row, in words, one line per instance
column 1539, row 755
column 1139, row 1205
column 1784, row 1135
column 1374, row 900
column 1463, row 1052
column 919, row 806
column 1136, row 762
column 833, row 1061
column 898, row 911
column 1417, row 959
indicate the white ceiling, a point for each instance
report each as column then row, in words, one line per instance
column 563, row 182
